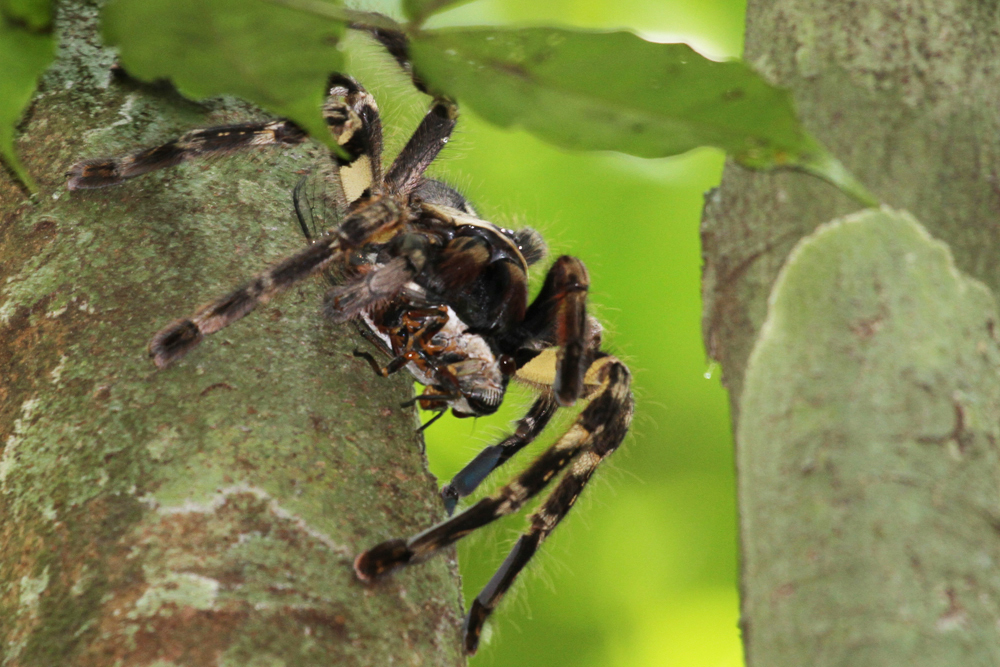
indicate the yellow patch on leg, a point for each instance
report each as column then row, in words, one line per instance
column 540, row 372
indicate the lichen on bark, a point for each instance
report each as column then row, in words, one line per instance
column 207, row 514
column 906, row 96
column 869, row 443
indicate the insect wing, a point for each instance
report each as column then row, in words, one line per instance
column 319, row 205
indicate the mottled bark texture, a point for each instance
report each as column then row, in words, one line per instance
column 207, row 514
column 866, row 407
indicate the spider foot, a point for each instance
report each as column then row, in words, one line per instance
column 450, row 496
column 487, row 600
column 475, row 620
column 89, row 174
column 466, row 481
column 381, row 559
column 174, row 341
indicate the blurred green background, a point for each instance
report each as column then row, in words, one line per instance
column 643, row 572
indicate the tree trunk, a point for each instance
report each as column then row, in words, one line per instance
column 862, row 366
column 207, row 514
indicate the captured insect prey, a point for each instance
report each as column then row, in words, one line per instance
column 437, row 291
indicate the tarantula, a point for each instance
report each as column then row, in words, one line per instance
column 442, row 293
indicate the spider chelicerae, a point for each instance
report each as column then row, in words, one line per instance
column 438, row 291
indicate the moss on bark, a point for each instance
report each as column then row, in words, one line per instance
column 207, row 514
column 906, row 95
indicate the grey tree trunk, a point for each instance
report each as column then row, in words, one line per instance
column 863, row 365
column 207, row 514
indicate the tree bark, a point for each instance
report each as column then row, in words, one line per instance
column 866, row 407
column 207, row 514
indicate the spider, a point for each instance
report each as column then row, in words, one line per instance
column 441, row 292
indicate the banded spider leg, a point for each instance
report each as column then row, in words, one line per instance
column 442, row 293
column 557, row 318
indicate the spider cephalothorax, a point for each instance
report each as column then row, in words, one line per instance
column 442, row 293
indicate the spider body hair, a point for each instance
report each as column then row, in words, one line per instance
column 438, row 291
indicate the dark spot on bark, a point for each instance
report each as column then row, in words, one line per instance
column 44, row 226
column 217, row 385
column 783, row 591
column 866, row 328
column 962, row 437
column 319, row 423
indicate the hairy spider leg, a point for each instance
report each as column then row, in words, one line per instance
column 396, row 43
column 393, row 554
column 375, row 220
column 607, row 425
column 379, row 284
column 206, row 142
column 358, row 131
column 559, row 315
column 597, row 431
column 492, row 457
column 349, row 113
column 325, row 195
column 611, row 398
column 431, row 135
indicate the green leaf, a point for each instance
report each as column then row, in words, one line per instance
column 274, row 56
column 616, row 91
column 418, row 10
column 24, row 55
column 34, row 14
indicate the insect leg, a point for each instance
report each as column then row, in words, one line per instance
column 382, row 371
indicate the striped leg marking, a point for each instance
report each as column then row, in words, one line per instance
column 597, row 432
column 379, row 218
column 206, row 142
column 394, row 554
column 616, row 404
column 351, row 116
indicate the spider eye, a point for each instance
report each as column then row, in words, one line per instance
column 507, row 365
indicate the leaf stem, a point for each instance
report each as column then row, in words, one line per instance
column 363, row 20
